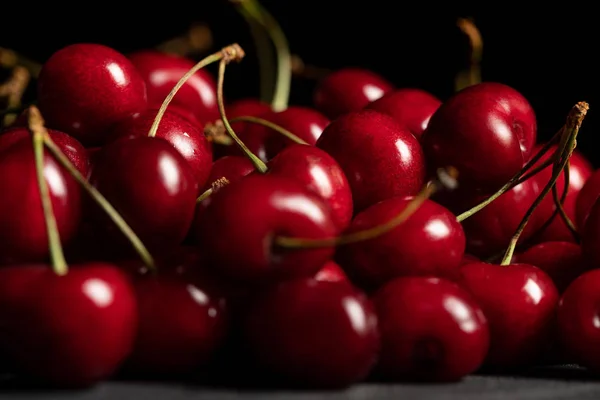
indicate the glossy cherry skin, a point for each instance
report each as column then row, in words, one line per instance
column 410, row 107
column 273, row 205
column 429, row 242
column 562, row 261
column 23, row 236
column 232, row 168
column 162, row 71
column 180, row 326
column 580, row 170
column 67, row 331
column 519, row 302
column 152, row 187
column 348, row 90
column 487, row 131
column 70, row 146
column 319, row 172
column 589, row 193
column 315, row 334
column 184, row 136
column 380, row 158
column 331, row 272
column 431, row 330
column 304, row 122
column 85, row 88
column 577, row 315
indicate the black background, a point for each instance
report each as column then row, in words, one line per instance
column 547, row 53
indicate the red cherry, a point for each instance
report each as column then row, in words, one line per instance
column 151, row 186
column 431, row 330
column 304, row 122
column 186, row 114
column 239, row 241
column 429, row 242
column 562, row 261
column 380, row 158
column 348, row 90
column 232, row 168
column 518, row 301
column 83, row 89
column 69, row 331
column 331, row 272
column 245, row 108
column 180, row 326
column 162, row 71
column 70, row 146
column 315, row 334
column 590, row 237
column 487, row 131
column 578, row 314
column 410, row 107
column 23, row 236
column 468, row 259
column 589, row 193
column 184, row 136
column 319, row 172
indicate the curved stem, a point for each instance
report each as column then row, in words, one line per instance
column 216, row 185
column 446, row 178
column 560, row 201
column 574, row 121
column 257, row 162
column 10, row 59
column 57, row 257
column 269, row 124
column 229, row 53
column 472, row 75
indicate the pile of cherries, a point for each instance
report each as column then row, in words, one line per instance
column 288, row 259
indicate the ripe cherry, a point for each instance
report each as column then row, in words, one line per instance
column 83, row 89
column 410, row 107
column 162, row 71
column 429, row 242
column 232, row 168
column 319, row 172
column 273, row 206
column 380, row 158
column 331, row 272
column 314, row 334
column 68, row 331
column 23, row 235
column 487, row 131
column 184, row 136
column 348, row 90
column 589, row 193
column 431, row 330
column 519, row 301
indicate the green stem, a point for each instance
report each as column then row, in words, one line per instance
column 471, row 75
column 559, row 202
column 216, row 185
column 270, row 125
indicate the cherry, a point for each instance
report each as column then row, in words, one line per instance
column 254, row 136
column 180, row 326
column 380, row 158
column 349, row 89
column 487, row 131
column 429, row 242
column 183, row 135
column 410, row 107
column 586, row 198
column 186, row 114
column 85, row 88
column 69, row 331
column 431, row 330
column 72, row 148
column 562, row 261
column 314, row 333
column 162, row 71
column 23, row 236
column 273, row 206
column 244, row 108
column 331, row 272
column 577, row 315
column 590, row 237
column 152, row 187
column 231, row 168
column 468, row 259
column 319, row 172
column 519, row 302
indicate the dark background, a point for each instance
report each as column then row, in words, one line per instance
column 549, row 55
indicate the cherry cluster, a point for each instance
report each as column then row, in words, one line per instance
column 381, row 233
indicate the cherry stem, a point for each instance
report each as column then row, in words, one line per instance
column 216, row 185
column 300, row 69
column 257, row 162
column 284, row 59
column 57, row 257
column 471, row 75
column 10, row 59
column 215, row 132
column 225, row 53
column 260, row 121
column 446, row 179
column 197, row 39
column 569, row 139
column 13, row 89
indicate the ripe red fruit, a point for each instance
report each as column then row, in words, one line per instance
column 331, row 272
column 589, row 193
